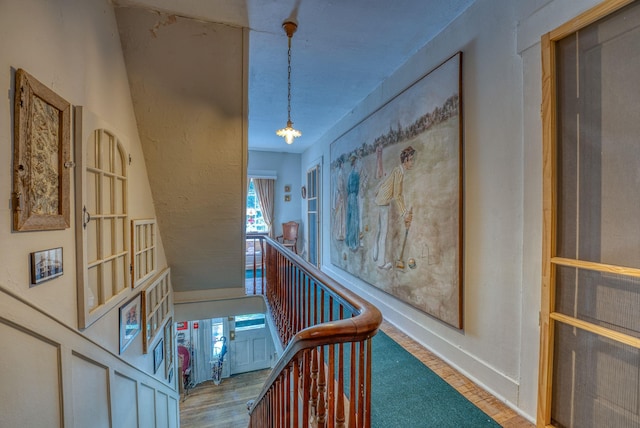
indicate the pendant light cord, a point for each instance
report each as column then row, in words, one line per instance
column 289, row 82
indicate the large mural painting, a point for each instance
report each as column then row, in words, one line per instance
column 397, row 196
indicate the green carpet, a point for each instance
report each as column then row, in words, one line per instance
column 407, row 394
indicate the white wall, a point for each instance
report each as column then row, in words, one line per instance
column 499, row 345
column 192, row 129
column 71, row 46
column 286, row 166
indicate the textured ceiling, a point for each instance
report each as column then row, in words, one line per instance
column 341, row 52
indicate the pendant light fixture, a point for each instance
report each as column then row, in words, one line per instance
column 289, row 133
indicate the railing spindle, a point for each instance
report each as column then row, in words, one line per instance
column 331, row 376
column 306, row 381
column 295, row 392
column 353, row 393
column 340, row 398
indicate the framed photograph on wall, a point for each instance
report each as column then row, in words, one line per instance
column 46, row 265
column 168, row 346
column 158, row 355
column 41, row 157
column 129, row 322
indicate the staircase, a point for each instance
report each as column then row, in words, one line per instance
column 323, row 376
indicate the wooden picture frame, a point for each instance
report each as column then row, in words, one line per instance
column 46, row 265
column 143, row 250
column 407, row 243
column 168, row 346
column 129, row 316
column 41, row 162
column 158, row 355
column 156, row 308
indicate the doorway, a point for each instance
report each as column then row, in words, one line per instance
column 590, row 311
column 240, row 343
column 251, row 346
column 313, row 215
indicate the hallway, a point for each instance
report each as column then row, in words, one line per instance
column 231, row 396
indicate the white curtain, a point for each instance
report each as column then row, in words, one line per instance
column 202, row 368
column 265, row 189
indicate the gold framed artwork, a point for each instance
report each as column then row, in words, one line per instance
column 396, row 195
column 41, row 163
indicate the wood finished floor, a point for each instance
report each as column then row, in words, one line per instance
column 224, row 405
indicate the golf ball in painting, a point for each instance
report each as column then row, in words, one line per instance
column 412, row 263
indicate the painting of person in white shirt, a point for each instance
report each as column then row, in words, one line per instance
column 391, row 190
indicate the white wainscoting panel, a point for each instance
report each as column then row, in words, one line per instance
column 147, row 402
column 125, row 412
column 30, row 373
column 90, row 382
column 162, row 411
column 53, row 376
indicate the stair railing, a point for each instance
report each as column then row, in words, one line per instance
column 255, row 262
column 323, row 377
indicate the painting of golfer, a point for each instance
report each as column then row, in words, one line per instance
column 397, row 179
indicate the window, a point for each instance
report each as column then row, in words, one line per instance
column 143, row 254
column 249, row 322
column 313, row 206
column 101, row 220
column 255, row 221
column 156, row 307
column 218, row 340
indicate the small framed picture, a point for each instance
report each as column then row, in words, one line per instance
column 46, row 265
column 287, row 188
column 170, row 377
column 158, row 355
column 287, row 198
column 168, row 346
column 129, row 322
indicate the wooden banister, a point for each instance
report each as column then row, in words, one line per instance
column 255, row 259
column 326, row 331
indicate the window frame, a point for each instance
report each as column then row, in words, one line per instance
column 87, row 128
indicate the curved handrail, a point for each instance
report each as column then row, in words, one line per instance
column 364, row 325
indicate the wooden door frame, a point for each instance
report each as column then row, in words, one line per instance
column 317, row 165
column 549, row 168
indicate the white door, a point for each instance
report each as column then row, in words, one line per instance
column 313, row 217
column 251, row 349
